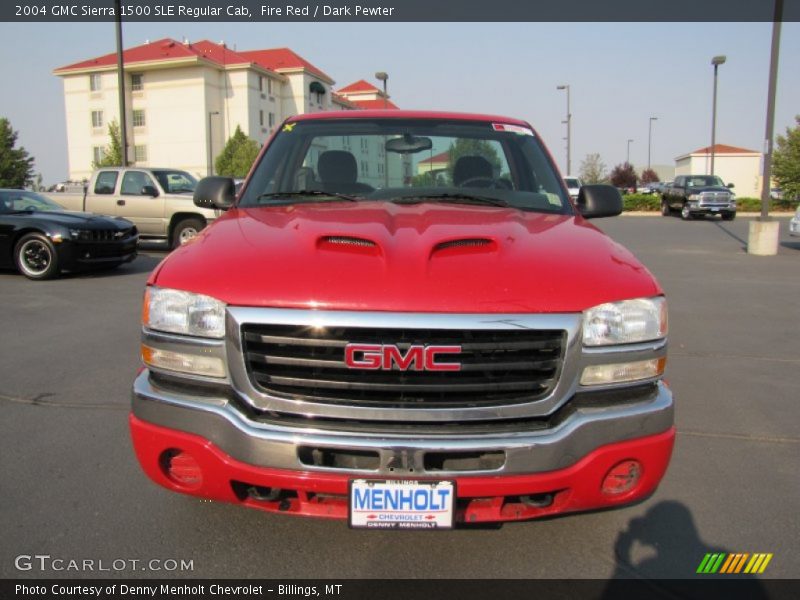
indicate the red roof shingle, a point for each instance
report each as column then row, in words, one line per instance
column 359, row 86
column 724, row 149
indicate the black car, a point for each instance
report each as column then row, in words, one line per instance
column 40, row 238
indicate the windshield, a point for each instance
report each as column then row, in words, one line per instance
column 175, row 182
column 407, row 160
column 704, row 181
column 20, row 200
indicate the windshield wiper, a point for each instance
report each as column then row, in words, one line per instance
column 315, row 194
column 452, row 198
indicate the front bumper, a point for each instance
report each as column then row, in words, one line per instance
column 562, row 460
column 80, row 255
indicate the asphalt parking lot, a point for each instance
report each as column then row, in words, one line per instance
column 71, row 487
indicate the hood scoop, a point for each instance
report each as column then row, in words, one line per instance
column 464, row 246
column 348, row 243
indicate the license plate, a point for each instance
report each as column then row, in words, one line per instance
column 715, row 209
column 400, row 504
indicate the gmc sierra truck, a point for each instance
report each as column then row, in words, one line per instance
column 697, row 196
column 157, row 201
column 359, row 338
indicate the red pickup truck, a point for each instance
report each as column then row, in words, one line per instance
column 403, row 321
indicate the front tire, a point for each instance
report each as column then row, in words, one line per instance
column 728, row 216
column 185, row 230
column 686, row 214
column 36, row 257
column 665, row 209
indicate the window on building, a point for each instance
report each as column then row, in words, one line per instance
column 140, row 153
column 97, row 118
column 272, row 119
column 95, row 82
column 136, row 82
column 98, row 154
column 269, row 86
column 138, row 118
column 260, row 83
column 106, row 182
column 261, row 118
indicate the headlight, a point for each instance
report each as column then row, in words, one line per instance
column 175, row 311
column 625, row 322
column 694, row 197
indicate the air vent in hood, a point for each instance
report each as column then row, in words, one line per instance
column 463, row 243
column 348, row 243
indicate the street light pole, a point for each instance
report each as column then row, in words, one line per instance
column 384, row 77
column 716, row 61
column 569, row 129
column 210, row 155
column 123, row 122
column 650, row 139
column 628, row 157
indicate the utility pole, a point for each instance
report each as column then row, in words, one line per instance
column 123, row 125
column 650, row 139
column 716, row 61
column 569, row 130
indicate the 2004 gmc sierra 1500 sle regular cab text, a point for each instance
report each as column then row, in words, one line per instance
column 410, row 349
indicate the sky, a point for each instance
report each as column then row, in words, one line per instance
column 620, row 74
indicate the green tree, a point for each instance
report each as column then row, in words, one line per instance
column 623, row 176
column 16, row 166
column 237, row 156
column 469, row 147
column 112, row 154
column 593, row 169
column 786, row 161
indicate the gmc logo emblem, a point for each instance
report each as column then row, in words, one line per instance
column 389, row 356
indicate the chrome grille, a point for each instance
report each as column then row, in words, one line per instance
column 497, row 366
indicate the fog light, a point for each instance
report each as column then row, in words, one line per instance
column 181, row 468
column 622, row 478
column 210, row 366
column 623, row 372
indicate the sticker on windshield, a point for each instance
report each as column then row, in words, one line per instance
column 512, row 128
column 553, row 199
column 289, row 126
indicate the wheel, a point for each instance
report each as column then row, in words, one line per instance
column 728, row 216
column 686, row 214
column 665, row 209
column 185, row 230
column 36, row 257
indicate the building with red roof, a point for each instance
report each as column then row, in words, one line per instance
column 184, row 100
column 739, row 166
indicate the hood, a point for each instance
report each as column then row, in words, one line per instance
column 707, row 188
column 428, row 257
column 78, row 219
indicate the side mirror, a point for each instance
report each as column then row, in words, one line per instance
column 149, row 190
column 215, row 192
column 596, row 201
column 730, row 186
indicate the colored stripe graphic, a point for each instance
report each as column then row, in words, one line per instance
column 716, row 562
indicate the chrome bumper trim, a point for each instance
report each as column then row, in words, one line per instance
column 272, row 445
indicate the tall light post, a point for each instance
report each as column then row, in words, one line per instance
column 569, row 129
column 123, row 122
column 384, row 77
column 650, row 139
column 210, row 155
column 716, row 61
column 628, row 155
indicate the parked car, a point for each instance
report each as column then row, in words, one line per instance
column 794, row 224
column 573, row 185
column 40, row 239
column 158, row 201
column 698, row 196
column 333, row 348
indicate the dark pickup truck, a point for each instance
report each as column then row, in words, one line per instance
column 699, row 195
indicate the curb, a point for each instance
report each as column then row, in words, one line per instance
column 654, row 213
